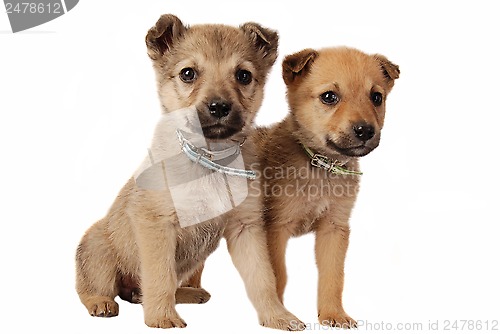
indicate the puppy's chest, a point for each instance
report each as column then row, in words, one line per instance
column 316, row 186
column 310, row 216
column 200, row 194
column 197, row 242
column 314, row 197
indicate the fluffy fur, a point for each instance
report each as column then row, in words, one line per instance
column 300, row 198
column 138, row 250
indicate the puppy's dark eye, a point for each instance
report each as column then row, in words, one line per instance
column 377, row 98
column 187, row 75
column 329, row 98
column 244, row 77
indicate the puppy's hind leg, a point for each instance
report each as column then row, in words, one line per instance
column 194, row 281
column 191, row 291
column 129, row 290
column 246, row 243
column 96, row 273
column 187, row 295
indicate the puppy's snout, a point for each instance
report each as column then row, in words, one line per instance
column 219, row 109
column 363, row 131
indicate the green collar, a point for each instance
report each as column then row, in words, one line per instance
column 332, row 166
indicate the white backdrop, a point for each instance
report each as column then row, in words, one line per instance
column 78, row 106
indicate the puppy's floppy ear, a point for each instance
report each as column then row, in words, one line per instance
column 264, row 39
column 390, row 70
column 166, row 31
column 298, row 64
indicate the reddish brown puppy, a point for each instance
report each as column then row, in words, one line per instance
column 309, row 161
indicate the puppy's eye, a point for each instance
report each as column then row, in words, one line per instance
column 187, row 75
column 377, row 99
column 329, row 98
column 244, row 77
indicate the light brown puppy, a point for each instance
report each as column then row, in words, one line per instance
column 337, row 103
column 139, row 250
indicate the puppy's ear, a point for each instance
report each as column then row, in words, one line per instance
column 163, row 35
column 390, row 70
column 264, row 39
column 298, row 64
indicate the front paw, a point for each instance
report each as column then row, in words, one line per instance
column 285, row 321
column 337, row 320
column 103, row 307
column 165, row 322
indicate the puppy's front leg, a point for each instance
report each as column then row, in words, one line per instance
column 246, row 243
column 277, row 238
column 157, row 241
column 332, row 241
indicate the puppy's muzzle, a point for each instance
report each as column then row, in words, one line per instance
column 219, row 108
column 363, row 131
column 359, row 140
column 220, row 118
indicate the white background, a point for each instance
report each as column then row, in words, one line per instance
column 78, row 105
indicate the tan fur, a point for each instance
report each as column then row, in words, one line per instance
column 300, row 198
column 139, row 250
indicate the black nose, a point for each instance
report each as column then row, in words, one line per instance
column 219, row 109
column 363, row 131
